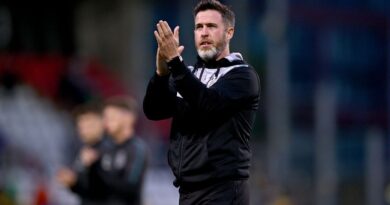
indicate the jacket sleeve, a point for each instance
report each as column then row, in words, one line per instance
column 83, row 185
column 160, row 98
column 239, row 87
column 129, row 183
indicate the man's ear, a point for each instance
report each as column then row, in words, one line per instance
column 230, row 33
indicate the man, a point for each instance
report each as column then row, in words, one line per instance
column 123, row 167
column 81, row 177
column 213, row 105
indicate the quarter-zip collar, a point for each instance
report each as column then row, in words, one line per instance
column 231, row 59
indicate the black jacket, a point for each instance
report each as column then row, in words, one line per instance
column 87, row 187
column 122, row 171
column 116, row 178
column 213, row 106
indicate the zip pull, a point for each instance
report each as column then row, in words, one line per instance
column 213, row 78
column 201, row 73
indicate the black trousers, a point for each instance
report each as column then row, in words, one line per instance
column 222, row 193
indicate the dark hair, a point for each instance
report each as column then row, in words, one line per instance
column 122, row 102
column 227, row 14
column 87, row 108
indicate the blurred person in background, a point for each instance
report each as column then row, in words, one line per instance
column 123, row 166
column 213, row 105
column 82, row 177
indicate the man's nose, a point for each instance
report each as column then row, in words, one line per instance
column 205, row 31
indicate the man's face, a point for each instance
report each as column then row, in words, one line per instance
column 117, row 119
column 90, row 127
column 113, row 120
column 211, row 34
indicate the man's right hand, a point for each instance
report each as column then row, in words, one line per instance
column 161, row 64
column 88, row 156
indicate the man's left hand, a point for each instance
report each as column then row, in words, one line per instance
column 167, row 41
column 66, row 177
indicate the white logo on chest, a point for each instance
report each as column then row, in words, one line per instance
column 116, row 161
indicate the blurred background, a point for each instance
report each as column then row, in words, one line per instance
column 321, row 135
